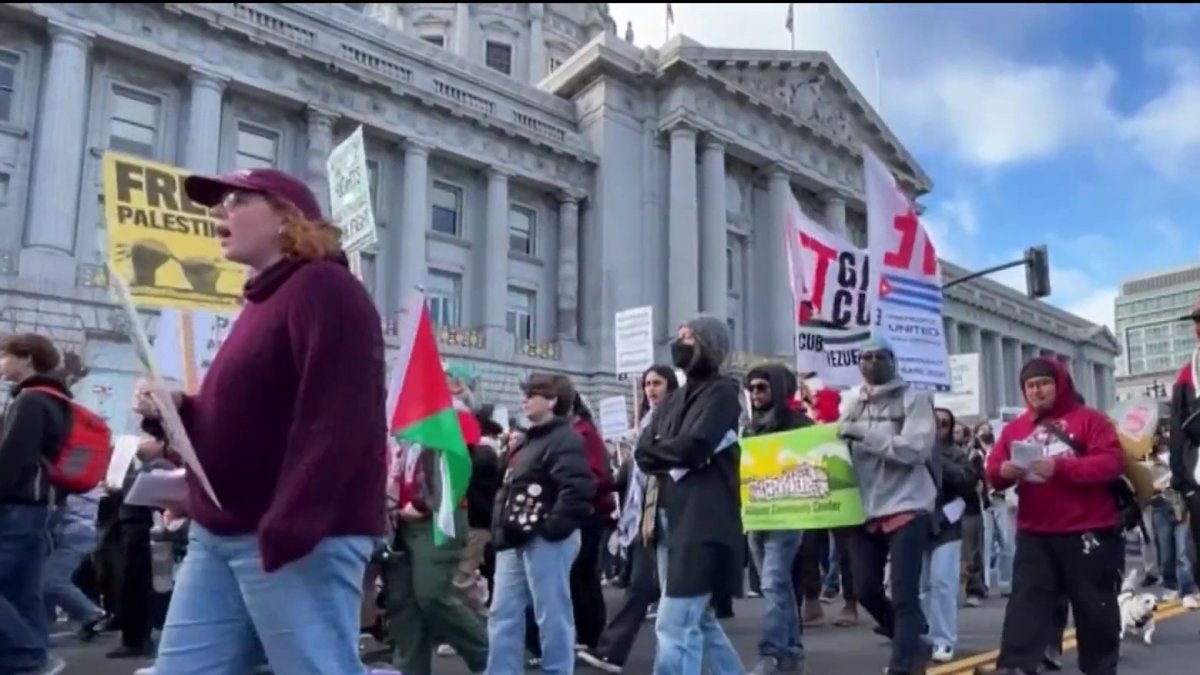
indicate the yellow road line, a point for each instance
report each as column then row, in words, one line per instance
column 969, row 664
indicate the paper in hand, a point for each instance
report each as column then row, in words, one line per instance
column 1023, row 454
column 159, row 489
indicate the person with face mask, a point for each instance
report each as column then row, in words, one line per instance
column 771, row 389
column 890, row 433
column 1064, row 456
column 692, row 506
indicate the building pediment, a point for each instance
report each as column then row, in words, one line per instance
column 811, row 89
column 1101, row 337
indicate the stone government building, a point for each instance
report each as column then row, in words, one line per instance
column 531, row 168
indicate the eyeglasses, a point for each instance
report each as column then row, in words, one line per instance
column 758, row 388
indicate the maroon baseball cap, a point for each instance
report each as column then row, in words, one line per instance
column 1195, row 315
column 210, row 190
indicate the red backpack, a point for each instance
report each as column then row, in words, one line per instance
column 85, row 452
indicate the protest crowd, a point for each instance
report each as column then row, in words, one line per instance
column 334, row 504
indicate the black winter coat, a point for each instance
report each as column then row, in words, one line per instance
column 958, row 481
column 34, row 428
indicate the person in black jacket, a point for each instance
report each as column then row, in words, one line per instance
column 545, row 496
column 692, row 508
column 780, row 650
column 957, row 484
column 34, row 427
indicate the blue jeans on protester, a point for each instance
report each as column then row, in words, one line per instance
column 71, row 544
column 536, row 573
column 773, row 553
column 688, row 633
column 939, row 593
column 226, row 613
column 24, row 544
column 1172, row 541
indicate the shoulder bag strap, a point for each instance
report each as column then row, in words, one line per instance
column 1075, row 446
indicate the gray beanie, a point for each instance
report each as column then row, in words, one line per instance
column 712, row 338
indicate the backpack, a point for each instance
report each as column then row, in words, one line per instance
column 86, row 449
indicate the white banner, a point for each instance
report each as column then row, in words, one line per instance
column 614, row 418
column 965, row 398
column 835, row 292
column 910, row 292
column 350, row 195
column 634, row 334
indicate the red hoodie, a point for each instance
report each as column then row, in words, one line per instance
column 604, row 503
column 1076, row 498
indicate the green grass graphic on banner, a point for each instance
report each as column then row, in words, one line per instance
column 799, row 480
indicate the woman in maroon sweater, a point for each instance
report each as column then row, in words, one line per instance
column 289, row 426
column 587, row 596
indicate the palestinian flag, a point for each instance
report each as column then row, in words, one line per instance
column 421, row 411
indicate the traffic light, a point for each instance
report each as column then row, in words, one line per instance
column 1037, row 272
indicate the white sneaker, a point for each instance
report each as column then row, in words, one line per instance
column 1192, row 602
column 1170, row 596
column 942, row 654
column 446, row 650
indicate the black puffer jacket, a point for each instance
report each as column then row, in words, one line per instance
column 35, row 426
column 551, row 468
column 958, row 481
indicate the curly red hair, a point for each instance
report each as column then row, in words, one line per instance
column 302, row 237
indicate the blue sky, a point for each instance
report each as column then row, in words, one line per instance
column 1076, row 126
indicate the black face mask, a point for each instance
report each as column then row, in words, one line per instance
column 682, row 355
column 880, row 371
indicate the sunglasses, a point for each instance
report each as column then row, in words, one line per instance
column 758, row 388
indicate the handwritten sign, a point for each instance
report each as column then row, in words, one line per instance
column 635, row 340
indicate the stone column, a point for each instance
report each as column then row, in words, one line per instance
column 714, row 282
column 973, row 343
column 567, row 305
column 835, row 213
column 58, row 159
column 462, row 29
column 988, row 372
column 204, row 122
column 495, row 254
column 1012, row 373
column 409, row 248
column 950, row 329
column 320, row 144
column 683, row 263
column 783, row 312
column 537, row 43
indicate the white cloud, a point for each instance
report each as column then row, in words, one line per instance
column 1097, row 306
column 1164, row 131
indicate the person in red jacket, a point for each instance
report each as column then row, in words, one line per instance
column 1062, row 456
column 586, row 593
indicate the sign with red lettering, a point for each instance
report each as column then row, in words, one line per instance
column 831, row 277
column 910, row 293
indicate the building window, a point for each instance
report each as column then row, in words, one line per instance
column 519, row 320
column 438, row 40
column 555, row 64
column 133, row 125
column 445, row 298
column 257, row 148
column 447, row 209
column 9, row 64
column 373, row 186
column 3, row 189
column 498, row 56
column 522, row 223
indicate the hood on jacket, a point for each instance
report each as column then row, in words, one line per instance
column 938, row 432
column 783, row 387
column 38, row 381
column 1066, row 398
column 712, row 339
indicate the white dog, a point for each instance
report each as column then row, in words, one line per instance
column 1137, row 614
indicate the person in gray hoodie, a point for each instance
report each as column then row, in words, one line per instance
column 890, row 431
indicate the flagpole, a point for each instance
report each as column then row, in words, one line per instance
column 878, row 86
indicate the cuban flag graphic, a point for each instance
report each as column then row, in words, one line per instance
column 905, row 291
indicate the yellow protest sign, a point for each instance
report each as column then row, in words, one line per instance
column 164, row 244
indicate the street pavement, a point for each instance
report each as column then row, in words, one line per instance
column 830, row 651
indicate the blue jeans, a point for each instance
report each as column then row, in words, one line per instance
column 833, row 570
column 1172, row 541
column 226, row 613
column 939, row 593
column 999, row 545
column 537, row 573
column 773, row 553
column 688, row 632
column 23, row 548
column 70, row 545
